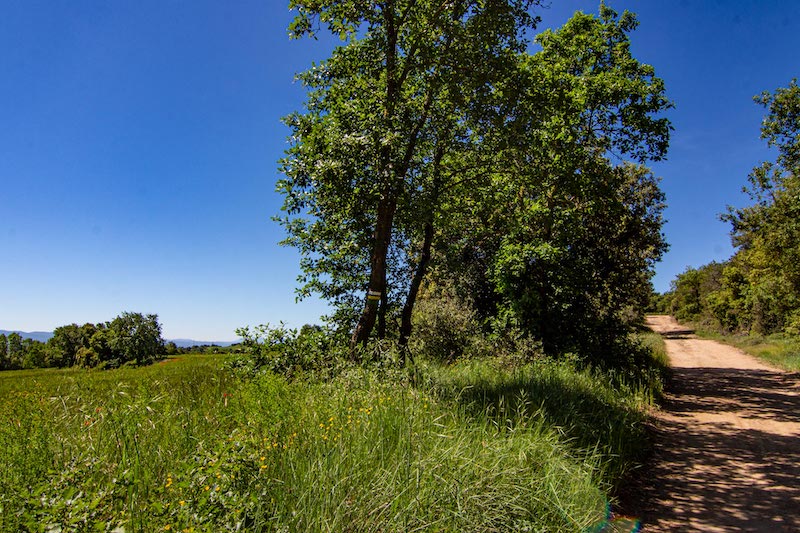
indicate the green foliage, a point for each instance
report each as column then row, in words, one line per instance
column 446, row 327
column 134, row 337
column 311, row 352
column 564, row 239
column 590, row 413
column 14, row 351
column 379, row 146
column 5, row 363
column 758, row 290
column 131, row 338
column 431, row 136
column 64, row 345
column 185, row 445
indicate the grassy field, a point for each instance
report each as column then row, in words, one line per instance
column 185, row 445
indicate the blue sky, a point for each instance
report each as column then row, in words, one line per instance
column 139, row 147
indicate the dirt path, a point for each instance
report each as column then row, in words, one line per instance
column 727, row 454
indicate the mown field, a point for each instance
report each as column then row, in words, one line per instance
column 187, row 445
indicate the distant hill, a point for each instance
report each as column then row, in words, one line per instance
column 188, row 343
column 41, row 336
column 44, row 336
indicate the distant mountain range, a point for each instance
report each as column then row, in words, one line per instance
column 41, row 336
column 44, row 336
column 188, row 343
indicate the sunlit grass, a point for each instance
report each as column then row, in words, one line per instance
column 186, row 446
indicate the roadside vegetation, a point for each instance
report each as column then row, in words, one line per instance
column 483, row 224
column 752, row 300
column 212, row 443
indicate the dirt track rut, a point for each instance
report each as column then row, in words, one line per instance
column 727, row 452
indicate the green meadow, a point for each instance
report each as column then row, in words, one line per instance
column 190, row 445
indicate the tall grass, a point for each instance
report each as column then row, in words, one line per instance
column 186, row 446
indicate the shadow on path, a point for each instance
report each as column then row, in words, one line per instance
column 727, row 450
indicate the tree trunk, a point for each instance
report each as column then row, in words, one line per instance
column 413, row 290
column 425, row 258
column 377, row 278
column 382, row 313
column 394, row 176
column 388, row 202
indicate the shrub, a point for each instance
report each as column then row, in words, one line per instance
column 311, row 351
column 445, row 328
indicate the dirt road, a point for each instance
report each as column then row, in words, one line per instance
column 727, row 454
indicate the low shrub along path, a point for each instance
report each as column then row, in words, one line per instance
column 727, row 442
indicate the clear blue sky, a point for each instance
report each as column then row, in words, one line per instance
column 139, row 140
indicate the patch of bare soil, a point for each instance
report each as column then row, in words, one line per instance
column 727, row 442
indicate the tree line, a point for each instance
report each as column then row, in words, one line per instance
column 438, row 158
column 758, row 289
column 131, row 338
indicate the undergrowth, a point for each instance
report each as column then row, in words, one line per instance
column 190, row 445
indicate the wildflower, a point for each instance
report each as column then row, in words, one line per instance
column 182, row 503
column 167, row 527
column 207, row 488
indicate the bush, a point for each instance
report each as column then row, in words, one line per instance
column 445, row 328
column 86, row 357
column 311, row 351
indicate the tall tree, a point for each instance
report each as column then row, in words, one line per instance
column 63, row 346
column 767, row 232
column 383, row 114
column 135, row 337
column 758, row 289
column 4, row 361
column 772, row 223
column 15, row 351
column 563, row 240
